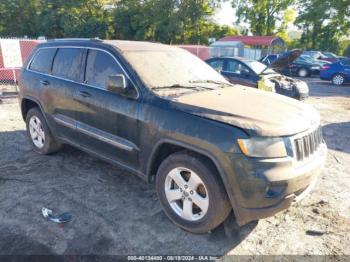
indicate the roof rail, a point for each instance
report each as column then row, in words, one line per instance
column 96, row 39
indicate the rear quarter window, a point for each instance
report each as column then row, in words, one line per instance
column 67, row 63
column 42, row 61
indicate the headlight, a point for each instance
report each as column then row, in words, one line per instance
column 263, row 147
column 302, row 87
column 315, row 67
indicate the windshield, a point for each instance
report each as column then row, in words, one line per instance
column 306, row 58
column 258, row 67
column 172, row 69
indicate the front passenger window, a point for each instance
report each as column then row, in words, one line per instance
column 99, row 66
column 217, row 65
column 231, row 66
column 237, row 68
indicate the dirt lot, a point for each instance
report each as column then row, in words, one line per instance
column 117, row 213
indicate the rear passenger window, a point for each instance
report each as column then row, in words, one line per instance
column 42, row 61
column 99, row 67
column 67, row 63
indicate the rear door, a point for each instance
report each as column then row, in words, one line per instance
column 56, row 72
column 65, row 80
column 107, row 121
column 239, row 73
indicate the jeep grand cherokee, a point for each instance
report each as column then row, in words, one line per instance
column 168, row 117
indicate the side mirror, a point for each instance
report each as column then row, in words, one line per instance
column 116, row 83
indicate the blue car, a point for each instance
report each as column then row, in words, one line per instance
column 338, row 73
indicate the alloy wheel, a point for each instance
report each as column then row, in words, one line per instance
column 338, row 80
column 36, row 131
column 186, row 194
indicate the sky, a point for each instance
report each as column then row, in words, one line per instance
column 226, row 14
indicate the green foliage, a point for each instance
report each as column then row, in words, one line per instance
column 17, row 17
column 288, row 18
column 219, row 31
column 86, row 18
column 168, row 21
column 54, row 18
column 261, row 15
column 344, row 47
column 323, row 23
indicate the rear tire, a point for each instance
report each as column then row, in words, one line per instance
column 39, row 134
column 191, row 192
column 338, row 79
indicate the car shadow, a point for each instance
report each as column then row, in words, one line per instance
column 114, row 212
column 337, row 136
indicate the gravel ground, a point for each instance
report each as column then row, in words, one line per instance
column 117, row 213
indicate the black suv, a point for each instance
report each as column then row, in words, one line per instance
column 166, row 116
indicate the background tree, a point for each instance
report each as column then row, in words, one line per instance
column 168, row 21
column 86, row 18
column 19, row 17
column 219, row 31
column 323, row 23
column 288, row 18
column 261, row 15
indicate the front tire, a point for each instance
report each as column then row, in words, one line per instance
column 338, row 79
column 191, row 192
column 303, row 72
column 39, row 134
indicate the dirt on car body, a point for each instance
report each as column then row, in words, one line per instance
column 116, row 213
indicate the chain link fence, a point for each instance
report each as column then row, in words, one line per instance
column 8, row 82
column 13, row 53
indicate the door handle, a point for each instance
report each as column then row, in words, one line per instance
column 44, row 82
column 84, row 94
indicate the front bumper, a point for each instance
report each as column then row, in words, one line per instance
column 272, row 185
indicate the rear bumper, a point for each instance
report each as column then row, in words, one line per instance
column 276, row 186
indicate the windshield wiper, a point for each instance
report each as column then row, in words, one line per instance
column 179, row 86
column 210, row 82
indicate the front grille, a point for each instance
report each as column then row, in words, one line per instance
column 306, row 145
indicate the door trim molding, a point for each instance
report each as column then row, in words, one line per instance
column 95, row 133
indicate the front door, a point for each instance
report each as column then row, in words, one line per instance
column 107, row 121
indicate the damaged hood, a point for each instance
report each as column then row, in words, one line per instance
column 258, row 112
column 285, row 59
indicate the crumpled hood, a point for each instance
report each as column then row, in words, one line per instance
column 285, row 59
column 259, row 113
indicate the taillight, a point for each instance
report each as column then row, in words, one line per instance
column 326, row 67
